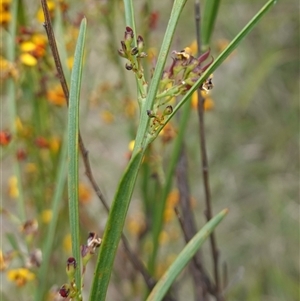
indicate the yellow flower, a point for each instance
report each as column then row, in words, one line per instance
column 20, row 276
column 13, row 189
column 3, row 264
column 194, row 48
column 46, row 216
column 208, row 101
column 131, row 145
column 172, row 201
column 33, row 49
column 56, row 96
column 23, row 131
column 5, row 15
column 40, row 14
column 54, row 144
column 67, row 243
column 70, row 62
column 28, row 59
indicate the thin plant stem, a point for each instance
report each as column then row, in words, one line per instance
column 205, row 170
column 84, row 152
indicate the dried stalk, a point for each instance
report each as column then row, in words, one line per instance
column 205, row 173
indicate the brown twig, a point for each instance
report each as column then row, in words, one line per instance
column 84, row 152
column 202, row 281
column 208, row 213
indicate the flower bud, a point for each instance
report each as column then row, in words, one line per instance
column 128, row 37
column 168, row 110
column 64, row 291
column 128, row 66
column 134, row 51
column 140, row 43
column 71, row 267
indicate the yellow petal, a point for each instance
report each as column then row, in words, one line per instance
column 27, row 46
column 28, row 60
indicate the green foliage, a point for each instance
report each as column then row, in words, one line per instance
column 251, row 138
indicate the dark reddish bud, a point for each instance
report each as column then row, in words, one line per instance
column 71, row 263
column 128, row 34
column 71, row 267
column 21, row 154
column 64, row 291
column 41, row 142
column 5, row 138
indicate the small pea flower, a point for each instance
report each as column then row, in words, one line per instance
column 71, row 267
column 88, row 250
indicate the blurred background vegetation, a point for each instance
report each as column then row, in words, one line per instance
column 252, row 130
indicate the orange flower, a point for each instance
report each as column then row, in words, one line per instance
column 5, row 138
column 33, row 49
column 56, row 96
column 208, row 101
column 41, row 142
column 5, row 15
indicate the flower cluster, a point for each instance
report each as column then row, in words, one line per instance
column 132, row 53
column 69, row 290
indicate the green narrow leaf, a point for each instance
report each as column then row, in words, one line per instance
column 73, row 130
column 208, row 21
column 184, row 257
column 113, row 229
column 222, row 57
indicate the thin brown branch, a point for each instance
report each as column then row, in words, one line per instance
column 202, row 281
column 205, row 170
column 84, row 152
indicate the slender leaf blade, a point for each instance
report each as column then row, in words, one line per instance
column 73, row 152
column 210, row 14
column 113, row 229
column 184, row 257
